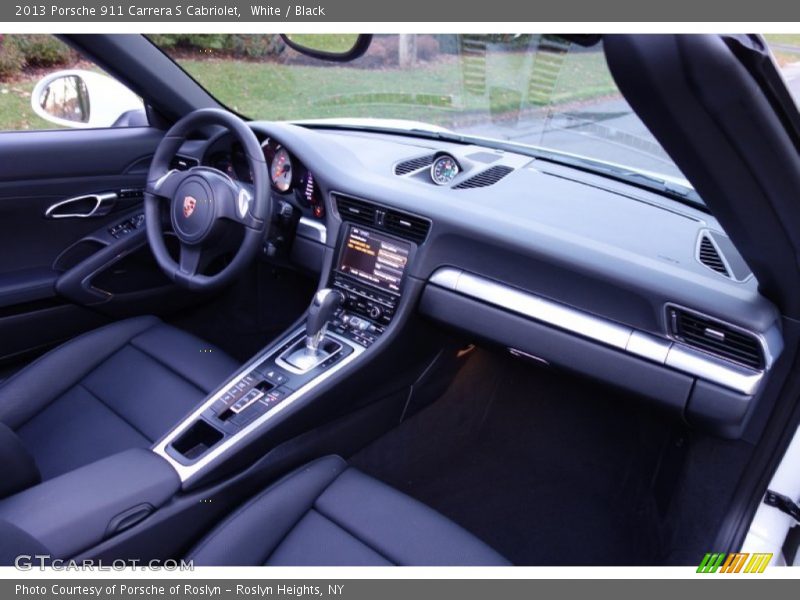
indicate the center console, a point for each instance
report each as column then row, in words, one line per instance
column 345, row 319
column 369, row 273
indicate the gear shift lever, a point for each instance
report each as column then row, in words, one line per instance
column 313, row 349
column 325, row 304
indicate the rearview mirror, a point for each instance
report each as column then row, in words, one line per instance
column 336, row 47
column 83, row 99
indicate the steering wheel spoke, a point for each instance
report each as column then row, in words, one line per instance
column 190, row 257
column 239, row 211
column 166, row 185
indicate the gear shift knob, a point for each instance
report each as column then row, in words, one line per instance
column 325, row 304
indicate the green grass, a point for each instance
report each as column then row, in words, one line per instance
column 434, row 92
column 787, row 39
column 15, row 107
column 787, row 49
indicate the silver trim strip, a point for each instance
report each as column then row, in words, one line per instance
column 648, row 346
column 99, row 199
column 706, row 366
column 520, row 302
column 187, row 472
column 659, row 350
column 312, row 230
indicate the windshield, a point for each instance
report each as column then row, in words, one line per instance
column 534, row 90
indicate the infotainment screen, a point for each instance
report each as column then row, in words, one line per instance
column 374, row 258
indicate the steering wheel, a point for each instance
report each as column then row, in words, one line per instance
column 203, row 201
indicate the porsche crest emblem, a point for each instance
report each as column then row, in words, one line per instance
column 189, row 204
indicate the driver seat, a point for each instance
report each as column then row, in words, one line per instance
column 117, row 387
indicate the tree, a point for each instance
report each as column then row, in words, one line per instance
column 407, row 50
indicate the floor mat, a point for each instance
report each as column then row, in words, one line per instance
column 547, row 468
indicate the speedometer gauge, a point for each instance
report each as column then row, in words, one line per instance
column 280, row 171
column 444, row 169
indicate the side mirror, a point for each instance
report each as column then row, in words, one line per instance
column 83, row 99
column 334, row 47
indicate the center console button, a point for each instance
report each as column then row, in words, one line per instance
column 275, row 376
column 274, row 397
column 243, row 402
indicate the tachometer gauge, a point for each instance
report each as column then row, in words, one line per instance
column 280, row 171
column 444, row 169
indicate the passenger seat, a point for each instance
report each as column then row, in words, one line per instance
column 327, row 513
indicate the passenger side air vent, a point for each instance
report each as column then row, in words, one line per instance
column 413, row 164
column 356, row 211
column 716, row 338
column 716, row 251
column 392, row 221
column 485, row 178
column 406, row 226
column 708, row 254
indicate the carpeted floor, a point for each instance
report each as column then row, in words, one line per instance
column 547, row 468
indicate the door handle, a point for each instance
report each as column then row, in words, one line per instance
column 82, row 207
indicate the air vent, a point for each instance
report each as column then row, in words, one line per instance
column 391, row 221
column 413, row 164
column 709, row 255
column 485, row 178
column 356, row 211
column 407, row 226
column 717, row 338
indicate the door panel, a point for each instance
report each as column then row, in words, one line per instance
column 49, row 267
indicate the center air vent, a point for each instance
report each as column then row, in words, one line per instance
column 356, row 211
column 715, row 337
column 485, row 178
column 413, row 164
column 389, row 220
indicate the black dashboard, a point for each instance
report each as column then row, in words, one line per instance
column 560, row 265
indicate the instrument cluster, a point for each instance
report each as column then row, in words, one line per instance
column 288, row 176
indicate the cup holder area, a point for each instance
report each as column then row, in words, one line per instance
column 197, row 440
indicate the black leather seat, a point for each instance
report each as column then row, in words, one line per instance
column 327, row 513
column 118, row 387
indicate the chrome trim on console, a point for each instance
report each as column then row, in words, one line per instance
column 663, row 351
column 312, row 230
column 187, row 472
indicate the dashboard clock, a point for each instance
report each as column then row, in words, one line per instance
column 444, row 169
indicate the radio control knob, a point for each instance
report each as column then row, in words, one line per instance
column 375, row 312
